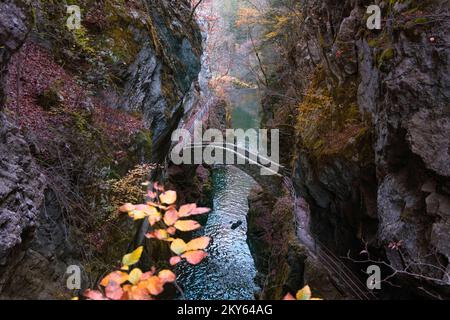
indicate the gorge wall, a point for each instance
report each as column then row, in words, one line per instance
column 372, row 158
column 115, row 89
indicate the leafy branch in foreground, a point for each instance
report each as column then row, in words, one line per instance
column 303, row 294
column 166, row 221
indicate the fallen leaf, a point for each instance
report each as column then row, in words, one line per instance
column 159, row 234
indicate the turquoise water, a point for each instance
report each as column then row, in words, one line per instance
column 229, row 271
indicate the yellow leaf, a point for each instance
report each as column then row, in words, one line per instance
column 198, row 244
column 168, row 197
column 133, row 257
column 178, row 246
column 135, row 276
column 304, row 294
column 187, row 225
column 137, row 215
column 154, row 218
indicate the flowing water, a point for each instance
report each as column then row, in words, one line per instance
column 229, row 271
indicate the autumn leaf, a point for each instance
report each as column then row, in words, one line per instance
column 198, row 244
column 186, row 209
column 133, row 257
column 159, row 234
column 167, row 276
column 187, row 225
column 135, row 276
column 168, row 197
column 118, row 277
column 154, row 218
column 304, row 294
column 175, row 260
column 170, row 217
column 171, row 231
column 155, row 285
column 178, row 246
column 127, row 208
column 191, row 210
column 289, row 297
column 148, row 210
column 137, row 215
column 94, row 295
column 195, row 257
column 199, row 211
column 113, row 291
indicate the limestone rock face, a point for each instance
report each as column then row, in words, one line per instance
column 401, row 193
column 164, row 71
column 15, row 20
column 37, row 242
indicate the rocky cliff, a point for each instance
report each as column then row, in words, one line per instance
column 372, row 158
column 80, row 109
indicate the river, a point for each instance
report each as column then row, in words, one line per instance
column 229, row 271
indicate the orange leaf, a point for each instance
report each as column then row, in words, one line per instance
column 174, row 260
column 171, row 231
column 168, row 197
column 118, row 277
column 171, row 217
column 289, row 297
column 195, row 257
column 187, row 225
column 148, row 210
column 178, row 246
column 198, row 244
column 127, row 208
column 113, row 291
column 198, row 211
column 167, row 276
column 186, row 209
column 155, row 285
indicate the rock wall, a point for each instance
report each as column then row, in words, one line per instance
column 380, row 179
column 153, row 69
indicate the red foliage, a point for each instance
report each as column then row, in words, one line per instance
column 32, row 71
